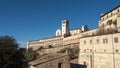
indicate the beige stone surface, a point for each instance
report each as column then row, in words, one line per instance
column 53, row 41
column 112, row 15
column 101, row 51
column 51, row 61
column 95, row 51
column 100, row 55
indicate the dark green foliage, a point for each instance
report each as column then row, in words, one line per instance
column 40, row 48
column 10, row 55
column 62, row 50
column 115, row 22
column 71, row 51
column 109, row 22
column 50, row 46
column 31, row 55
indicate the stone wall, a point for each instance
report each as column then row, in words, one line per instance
column 45, row 43
column 71, row 39
column 51, row 61
column 100, row 51
column 54, row 50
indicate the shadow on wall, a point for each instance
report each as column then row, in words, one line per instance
column 73, row 65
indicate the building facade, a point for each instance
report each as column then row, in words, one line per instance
column 100, row 51
column 101, row 47
column 110, row 19
column 51, row 61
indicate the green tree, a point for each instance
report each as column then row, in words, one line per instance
column 71, row 51
column 31, row 55
column 40, row 48
column 10, row 55
column 115, row 22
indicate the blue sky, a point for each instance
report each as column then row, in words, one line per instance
column 27, row 20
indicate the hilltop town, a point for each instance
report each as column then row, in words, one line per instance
column 97, row 48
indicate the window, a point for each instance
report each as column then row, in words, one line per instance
column 91, row 50
column 105, row 41
column 118, row 10
column 84, row 50
column 84, row 63
column 115, row 39
column 63, row 25
column 97, row 40
column 90, row 41
column 85, row 42
column 59, row 65
column 116, row 50
column 104, row 50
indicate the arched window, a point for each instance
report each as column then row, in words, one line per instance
column 118, row 10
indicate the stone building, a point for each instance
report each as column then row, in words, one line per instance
column 101, row 51
column 110, row 19
column 56, row 60
column 63, row 37
column 100, row 48
column 66, row 32
column 71, row 40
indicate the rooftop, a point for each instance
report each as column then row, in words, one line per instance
column 111, row 10
column 47, row 58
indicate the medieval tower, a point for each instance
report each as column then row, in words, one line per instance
column 65, row 28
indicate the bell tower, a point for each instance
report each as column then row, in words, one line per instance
column 65, row 28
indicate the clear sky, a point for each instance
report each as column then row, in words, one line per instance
column 27, row 20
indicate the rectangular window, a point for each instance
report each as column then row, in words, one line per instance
column 85, row 42
column 59, row 65
column 105, row 41
column 90, row 41
column 97, row 40
column 115, row 39
column 63, row 25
